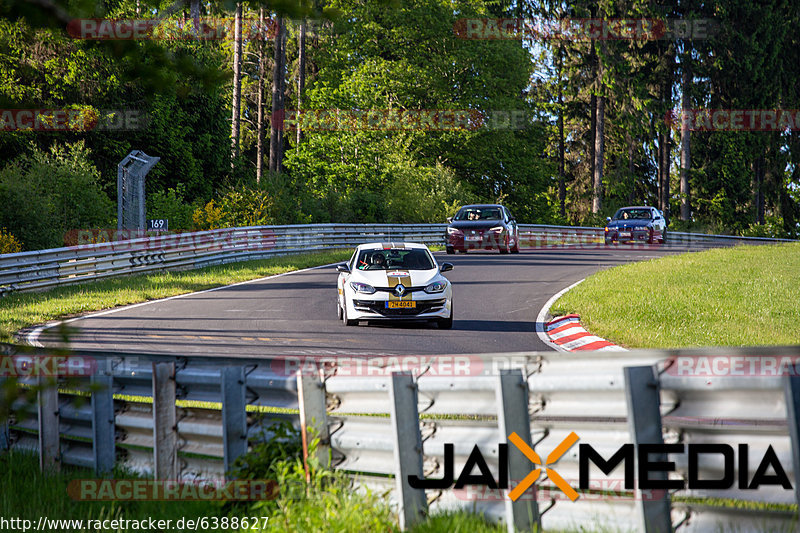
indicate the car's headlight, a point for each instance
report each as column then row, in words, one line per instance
column 436, row 286
column 362, row 287
column 497, row 228
column 453, row 231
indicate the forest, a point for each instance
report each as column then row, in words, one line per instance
column 314, row 111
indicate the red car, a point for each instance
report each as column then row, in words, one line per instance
column 483, row 227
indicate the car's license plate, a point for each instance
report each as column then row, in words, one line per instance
column 401, row 304
column 624, row 233
column 472, row 238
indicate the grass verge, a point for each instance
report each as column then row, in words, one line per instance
column 328, row 505
column 21, row 310
column 28, row 494
column 741, row 296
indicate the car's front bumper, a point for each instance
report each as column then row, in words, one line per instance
column 478, row 241
column 363, row 307
column 615, row 235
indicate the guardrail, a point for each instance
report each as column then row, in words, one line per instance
column 385, row 418
column 87, row 262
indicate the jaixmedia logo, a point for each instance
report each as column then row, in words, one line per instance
column 638, row 466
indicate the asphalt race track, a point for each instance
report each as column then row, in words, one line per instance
column 496, row 301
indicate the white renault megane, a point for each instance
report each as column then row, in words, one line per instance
column 394, row 281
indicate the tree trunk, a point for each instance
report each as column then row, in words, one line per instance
column 758, row 189
column 237, row 84
column 301, row 75
column 597, row 188
column 665, row 164
column 562, row 188
column 631, row 168
column 278, row 79
column 194, row 10
column 686, row 155
column 261, row 71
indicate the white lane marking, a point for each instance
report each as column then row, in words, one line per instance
column 33, row 336
column 540, row 325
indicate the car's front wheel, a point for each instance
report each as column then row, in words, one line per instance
column 664, row 237
column 504, row 247
column 346, row 321
column 338, row 310
column 450, row 250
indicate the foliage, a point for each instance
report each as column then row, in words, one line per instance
column 279, row 441
column 46, row 193
column 424, row 195
column 773, row 227
column 181, row 91
column 172, row 205
column 207, row 217
column 237, row 207
column 8, row 243
column 28, row 494
column 327, row 503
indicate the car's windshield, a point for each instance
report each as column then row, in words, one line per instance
column 478, row 213
column 632, row 214
column 407, row 259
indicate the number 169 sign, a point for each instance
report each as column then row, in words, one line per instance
column 158, row 224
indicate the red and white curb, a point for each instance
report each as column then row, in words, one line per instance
column 568, row 334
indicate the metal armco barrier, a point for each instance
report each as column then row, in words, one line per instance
column 433, row 412
column 87, row 262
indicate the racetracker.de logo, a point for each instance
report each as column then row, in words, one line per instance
column 171, row 490
column 399, row 120
column 584, row 29
column 142, row 242
column 24, row 366
column 73, row 119
column 209, row 29
column 380, row 366
column 707, row 366
column 781, row 120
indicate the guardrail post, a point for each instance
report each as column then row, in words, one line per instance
column 314, row 416
column 512, row 400
column 49, row 450
column 407, row 449
column 791, row 390
column 165, row 425
column 644, row 421
column 234, row 415
column 103, row 425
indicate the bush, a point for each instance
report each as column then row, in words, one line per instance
column 46, row 193
column 8, row 243
column 772, row 228
column 424, row 194
column 207, row 217
column 171, row 204
column 238, row 207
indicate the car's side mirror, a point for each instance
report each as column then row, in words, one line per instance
column 608, row 219
column 342, row 267
column 445, row 267
column 449, row 220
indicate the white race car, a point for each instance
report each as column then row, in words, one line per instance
column 391, row 281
